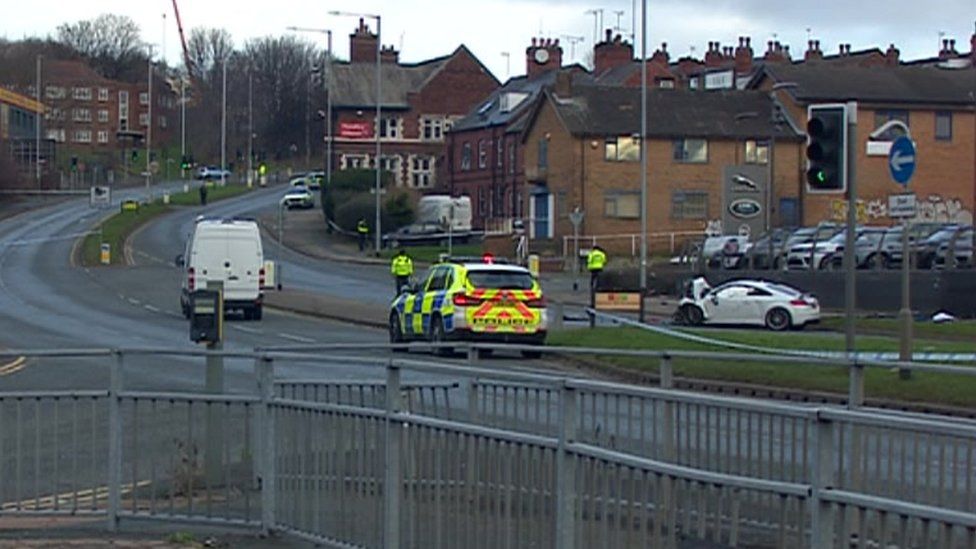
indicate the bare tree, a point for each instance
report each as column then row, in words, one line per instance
column 207, row 48
column 111, row 42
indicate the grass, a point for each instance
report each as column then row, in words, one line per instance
column 960, row 329
column 430, row 254
column 954, row 390
column 117, row 228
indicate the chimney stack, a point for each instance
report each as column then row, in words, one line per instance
column 543, row 55
column 813, row 52
column 744, row 56
column 613, row 52
column 362, row 45
column 714, row 57
column 661, row 56
column 892, row 56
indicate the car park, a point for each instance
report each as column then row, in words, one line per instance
column 471, row 300
column 765, row 249
column 298, row 197
column 749, row 302
column 889, row 253
column 825, row 254
column 934, row 251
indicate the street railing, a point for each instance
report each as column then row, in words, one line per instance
column 508, row 457
column 672, row 239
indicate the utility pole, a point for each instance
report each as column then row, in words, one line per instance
column 149, row 124
column 643, row 145
column 250, row 126
column 223, row 129
column 37, row 125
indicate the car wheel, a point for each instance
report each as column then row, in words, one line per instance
column 532, row 354
column 396, row 334
column 437, row 336
column 694, row 315
column 778, row 319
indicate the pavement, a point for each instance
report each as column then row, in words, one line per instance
column 306, row 233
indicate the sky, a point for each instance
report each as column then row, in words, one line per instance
column 498, row 31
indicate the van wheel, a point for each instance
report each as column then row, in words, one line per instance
column 256, row 313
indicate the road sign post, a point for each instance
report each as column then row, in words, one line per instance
column 901, row 165
column 576, row 218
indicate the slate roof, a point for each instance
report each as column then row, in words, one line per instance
column 354, row 84
column 488, row 113
column 914, row 84
column 608, row 110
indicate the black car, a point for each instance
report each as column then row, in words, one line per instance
column 934, row 250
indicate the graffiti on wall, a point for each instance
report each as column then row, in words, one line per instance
column 933, row 208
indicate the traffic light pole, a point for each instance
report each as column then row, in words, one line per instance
column 850, row 280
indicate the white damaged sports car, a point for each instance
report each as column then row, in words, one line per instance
column 747, row 302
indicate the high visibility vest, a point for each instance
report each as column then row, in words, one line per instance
column 402, row 265
column 596, row 260
column 362, row 227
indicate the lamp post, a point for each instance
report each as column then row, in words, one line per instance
column 37, row 125
column 250, row 126
column 183, row 122
column 223, row 128
column 149, row 122
column 328, row 99
column 643, row 144
column 379, row 89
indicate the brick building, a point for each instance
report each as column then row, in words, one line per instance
column 420, row 102
column 96, row 119
column 582, row 150
column 937, row 105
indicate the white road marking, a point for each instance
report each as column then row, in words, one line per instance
column 243, row 329
column 299, row 339
column 151, row 308
column 133, row 301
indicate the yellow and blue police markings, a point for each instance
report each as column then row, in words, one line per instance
column 416, row 310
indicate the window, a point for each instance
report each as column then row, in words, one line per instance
column 81, row 94
column 482, row 202
column 622, row 149
column 431, row 128
column 103, row 115
column 143, row 98
column 757, row 152
column 543, row 154
column 102, row 136
column 511, row 158
column 883, row 117
column 162, row 122
column 689, row 205
column 943, row 126
column 389, row 128
column 499, row 153
column 691, row 150
column 54, row 92
column 143, row 119
column 103, row 94
column 83, row 136
column 438, row 279
column 81, row 115
column 421, row 171
column 466, row 156
column 666, row 83
column 482, row 153
column 352, row 161
column 622, row 204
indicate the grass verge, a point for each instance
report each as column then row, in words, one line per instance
column 953, row 390
column 430, row 254
column 960, row 329
column 116, row 229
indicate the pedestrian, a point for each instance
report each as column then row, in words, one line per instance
column 203, row 194
column 362, row 229
column 596, row 260
column 401, row 268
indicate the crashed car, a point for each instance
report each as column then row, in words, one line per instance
column 750, row 302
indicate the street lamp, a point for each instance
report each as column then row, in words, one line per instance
column 149, row 123
column 37, row 125
column 378, row 113
column 643, row 144
column 223, row 128
column 328, row 98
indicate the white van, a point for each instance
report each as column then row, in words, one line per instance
column 228, row 250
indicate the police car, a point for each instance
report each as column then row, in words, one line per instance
column 472, row 300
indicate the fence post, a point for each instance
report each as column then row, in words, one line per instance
column 566, row 470
column 265, row 439
column 392, row 481
column 471, row 388
column 116, row 369
column 822, row 479
column 855, row 391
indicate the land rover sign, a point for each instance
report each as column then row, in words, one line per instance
column 745, row 208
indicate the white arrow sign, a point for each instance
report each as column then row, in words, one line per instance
column 898, row 160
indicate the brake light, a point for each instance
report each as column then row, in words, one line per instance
column 465, row 300
column 537, row 303
column 191, row 280
column 801, row 303
column 488, row 258
column 261, row 278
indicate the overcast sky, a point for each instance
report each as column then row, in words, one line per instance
column 422, row 29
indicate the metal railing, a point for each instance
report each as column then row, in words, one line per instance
column 672, row 239
column 505, row 458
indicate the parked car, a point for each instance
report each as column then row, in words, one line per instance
column 890, row 251
column 769, row 246
column 804, row 235
column 934, row 250
column 747, row 302
column 865, row 250
column 315, row 180
column 298, row 197
column 824, row 254
column 211, row 172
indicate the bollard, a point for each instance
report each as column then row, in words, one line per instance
column 106, row 253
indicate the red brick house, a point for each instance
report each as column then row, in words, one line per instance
column 420, row 102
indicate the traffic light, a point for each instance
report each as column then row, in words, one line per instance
column 827, row 148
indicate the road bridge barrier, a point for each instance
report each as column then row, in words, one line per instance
column 428, row 453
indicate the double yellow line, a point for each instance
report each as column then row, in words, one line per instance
column 14, row 366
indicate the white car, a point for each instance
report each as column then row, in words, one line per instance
column 298, row 197
column 747, row 302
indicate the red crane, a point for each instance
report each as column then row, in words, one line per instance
column 186, row 52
